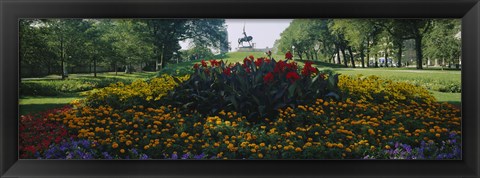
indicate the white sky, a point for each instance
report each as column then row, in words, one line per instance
column 263, row 31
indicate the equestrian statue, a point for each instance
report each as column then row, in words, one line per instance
column 246, row 38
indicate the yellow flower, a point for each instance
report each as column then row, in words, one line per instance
column 114, row 145
column 260, row 155
column 340, row 145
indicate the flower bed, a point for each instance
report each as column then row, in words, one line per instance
column 300, row 114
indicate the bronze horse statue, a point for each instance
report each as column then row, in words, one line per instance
column 245, row 38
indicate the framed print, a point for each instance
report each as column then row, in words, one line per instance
column 226, row 88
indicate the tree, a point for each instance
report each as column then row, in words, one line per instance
column 360, row 34
column 403, row 29
column 35, row 54
column 65, row 37
column 443, row 41
column 165, row 34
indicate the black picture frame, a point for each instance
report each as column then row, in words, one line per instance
column 12, row 10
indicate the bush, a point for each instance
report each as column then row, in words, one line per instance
column 121, row 96
column 59, row 87
column 376, row 90
column 175, row 71
column 38, row 89
column 256, row 88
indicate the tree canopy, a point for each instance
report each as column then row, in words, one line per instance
column 56, row 46
column 371, row 41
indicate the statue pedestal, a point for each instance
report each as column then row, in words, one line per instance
column 246, row 49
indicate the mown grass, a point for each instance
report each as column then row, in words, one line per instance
column 35, row 104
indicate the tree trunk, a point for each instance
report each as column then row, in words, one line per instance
column 62, row 58
column 362, row 56
column 368, row 57
column 338, row 56
column 351, row 57
column 376, row 60
column 156, row 61
column 386, row 58
column 162, row 59
column 116, row 68
column 418, row 49
column 299, row 54
column 399, row 56
column 94, row 67
column 345, row 62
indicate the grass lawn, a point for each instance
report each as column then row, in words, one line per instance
column 35, row 104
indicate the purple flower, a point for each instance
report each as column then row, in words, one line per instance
column 200, row 156
column 69, row 156
column 85, row 143
column 87, row 156
column 134, row 151
column 174, row 156
column 106, row 155
column 185, row 156
column 143, row 156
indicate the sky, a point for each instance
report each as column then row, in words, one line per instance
column 263, row 31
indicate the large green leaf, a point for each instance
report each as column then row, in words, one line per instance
column 291, row 90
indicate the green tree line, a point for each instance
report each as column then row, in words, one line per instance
column 61, row 46
column 347, row 41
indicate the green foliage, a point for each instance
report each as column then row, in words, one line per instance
column 197, row 52
column 49, row 46
column 256, row 88
column 444, row 42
